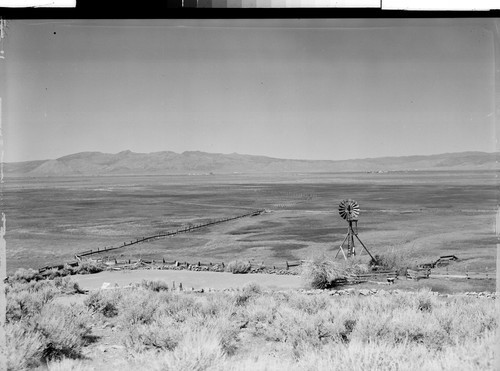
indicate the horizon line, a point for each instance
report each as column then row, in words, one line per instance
column 252, row 155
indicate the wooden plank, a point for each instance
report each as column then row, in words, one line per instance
column 375, row 276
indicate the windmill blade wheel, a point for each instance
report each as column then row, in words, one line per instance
column 349, row 209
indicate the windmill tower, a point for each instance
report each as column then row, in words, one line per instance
column 349, row 211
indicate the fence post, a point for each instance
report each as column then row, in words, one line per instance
column 287, row 266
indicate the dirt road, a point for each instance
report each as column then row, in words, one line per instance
column 189, row 279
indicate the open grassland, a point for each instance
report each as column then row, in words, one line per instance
column 420, row 215
column 151, row 328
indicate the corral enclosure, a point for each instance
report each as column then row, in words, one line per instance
column 421, row 214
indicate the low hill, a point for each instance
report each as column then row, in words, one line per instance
column 167, row 162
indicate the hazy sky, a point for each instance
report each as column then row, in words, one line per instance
column 309, row 89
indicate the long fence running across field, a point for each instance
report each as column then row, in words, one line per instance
column 166, row 234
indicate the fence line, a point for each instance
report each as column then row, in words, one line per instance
column 389, row 275
column 165, row 234
column 120, row 263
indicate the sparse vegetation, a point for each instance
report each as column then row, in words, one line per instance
column 256, row 329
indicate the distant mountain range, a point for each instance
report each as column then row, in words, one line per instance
column 166, row 162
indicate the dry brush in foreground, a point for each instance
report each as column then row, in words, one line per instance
column 251, row 329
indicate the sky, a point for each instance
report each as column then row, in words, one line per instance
column 303, row 89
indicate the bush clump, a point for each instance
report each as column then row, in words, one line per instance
column 65, row 330
column 238, row 267
column 27, row 300
column 322, row 273
column 88, row 267
column 392, row 259
column 56, row 332
column 156, row 286
column 25, row 275
column 104, row 303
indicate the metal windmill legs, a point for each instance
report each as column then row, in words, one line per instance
column 362, row 244
column 341, row 249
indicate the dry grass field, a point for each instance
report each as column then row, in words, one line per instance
column 420, row 215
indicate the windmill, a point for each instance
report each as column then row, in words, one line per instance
column 349, row 211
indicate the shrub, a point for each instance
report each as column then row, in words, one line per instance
column 25, row 346
column 238, row 267
column 321, row 273
column 198, row 350
column 162, row 334
column 65, row 329
column 25, row 275
column 155, row 285
column 250, row 289
column 57, row 331
column 88, row 267
column 30, row 301
column 309, row 304
column 67, row 286
column 139, row 308
column 391, row 259
column 104, row 303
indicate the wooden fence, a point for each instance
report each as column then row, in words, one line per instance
column 416, row 274
column 164, row 234
column 464, row 275
column 129, row 263
column 184, row 264
column 389, row 275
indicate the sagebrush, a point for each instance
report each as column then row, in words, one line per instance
column 257, row 329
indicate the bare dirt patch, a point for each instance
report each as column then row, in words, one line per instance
column 197, row 280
